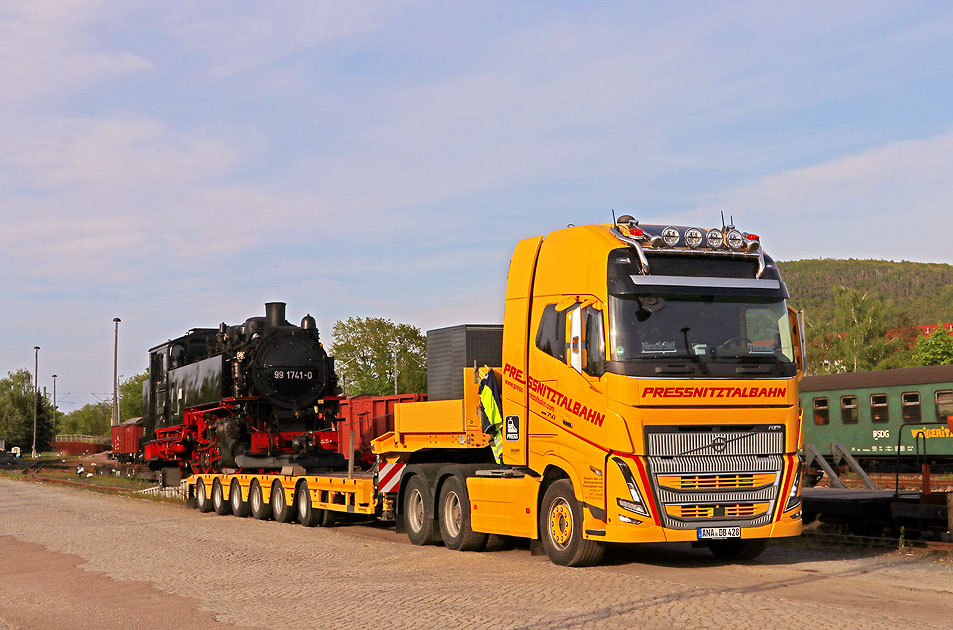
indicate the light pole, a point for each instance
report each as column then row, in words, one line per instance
column 36, row 391
column 393, row 349
column 115, row 421
column 54, row 406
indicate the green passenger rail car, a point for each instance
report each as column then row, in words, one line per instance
column 871, row 412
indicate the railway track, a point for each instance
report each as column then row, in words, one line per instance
column 831, row 539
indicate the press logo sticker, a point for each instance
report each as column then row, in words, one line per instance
column 512, row 428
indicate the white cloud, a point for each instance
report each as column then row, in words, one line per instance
column 894, row 202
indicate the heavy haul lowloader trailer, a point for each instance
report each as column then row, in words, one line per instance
column 647, row 392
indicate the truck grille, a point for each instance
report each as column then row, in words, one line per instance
column 715, row 477
column 758, row 441
column 708, row 511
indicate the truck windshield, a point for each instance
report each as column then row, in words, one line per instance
column 718, row 336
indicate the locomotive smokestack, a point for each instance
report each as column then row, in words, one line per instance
column 275, row 313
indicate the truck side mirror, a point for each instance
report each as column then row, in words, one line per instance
column 798, row 340
column 595, row 347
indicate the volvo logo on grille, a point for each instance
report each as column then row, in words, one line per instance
column 719, row 444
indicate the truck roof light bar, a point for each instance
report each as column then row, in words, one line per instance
column 728, row 241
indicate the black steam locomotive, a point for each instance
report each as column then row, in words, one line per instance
column 252, row 397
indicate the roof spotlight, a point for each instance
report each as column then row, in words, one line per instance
column 715, row 238
column 670, row 235
column 734, row 239
column 693, row 237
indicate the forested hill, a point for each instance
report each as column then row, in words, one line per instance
column 912, row 293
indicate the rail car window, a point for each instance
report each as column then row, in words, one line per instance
column 910, row 402
column 944, row 405
column 821, row 412
column 879, row 412
column 848, row 409
column 551, row 335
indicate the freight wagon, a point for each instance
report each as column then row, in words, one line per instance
column 127, row 441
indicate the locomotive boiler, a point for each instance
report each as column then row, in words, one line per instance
column 251, row 397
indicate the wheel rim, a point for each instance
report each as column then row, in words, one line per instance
column 278, row 499
column 236, row 497
column 217, row 497
column 304, row 502
column 255, row 498
column 453, row 514
column 200, row 493
column 416, row 512
column 560, row 523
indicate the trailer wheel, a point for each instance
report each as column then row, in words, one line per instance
column 308, row 515
column 280, row 510
column 454, row 517
column 239, row 507
column 329, row 519
column 256, row 502
column 221, row 506
column 420, row 529
column 747, row 549
column 201, row 497
column 560, row 527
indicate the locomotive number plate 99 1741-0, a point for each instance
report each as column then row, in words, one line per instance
column 718, row 533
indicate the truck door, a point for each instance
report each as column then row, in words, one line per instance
column 567, row 403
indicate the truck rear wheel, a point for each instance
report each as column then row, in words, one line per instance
column 420, row 529
column 221, row 506
column 748, row 549
column 282, row 512
column 560, row 527
column 239, row 507
column 202, row 500
column 256, row 502
column 308, row 515
column 454, row 517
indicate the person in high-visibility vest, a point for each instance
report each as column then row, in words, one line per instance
column 491, row 404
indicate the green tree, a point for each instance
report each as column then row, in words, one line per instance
column 363, row 351
column 130, row 396
column 860, row 341
column 937, row 349
column 16, row 413
column 91, row 419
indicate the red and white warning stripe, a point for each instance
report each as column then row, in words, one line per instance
column 388, row 478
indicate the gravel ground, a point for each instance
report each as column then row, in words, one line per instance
column 76, row 559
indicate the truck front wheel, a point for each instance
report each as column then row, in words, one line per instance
column 455, row 517
column 560, row 527
column 420, row 529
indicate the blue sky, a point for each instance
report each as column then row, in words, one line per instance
column 178, row 164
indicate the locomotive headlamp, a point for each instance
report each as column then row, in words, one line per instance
column 734, row 239
column 693, row 237
column 670, row 236
column 715, row 238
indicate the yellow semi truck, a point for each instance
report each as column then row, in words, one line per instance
column 647, row 391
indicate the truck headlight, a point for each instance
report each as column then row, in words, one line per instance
column 794, row 498
column 636, row 505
